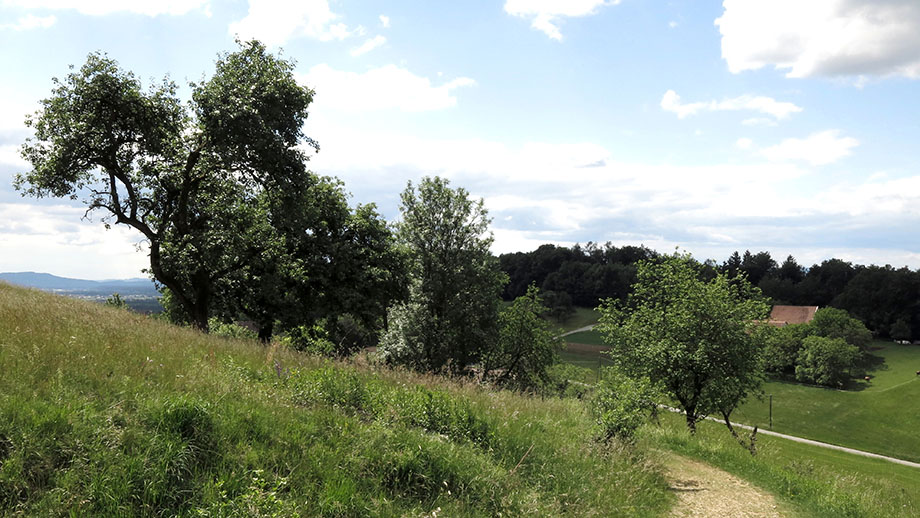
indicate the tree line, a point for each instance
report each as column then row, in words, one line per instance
column 884, row 298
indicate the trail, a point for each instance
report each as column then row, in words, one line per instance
column 707, row 492
column 579, row 330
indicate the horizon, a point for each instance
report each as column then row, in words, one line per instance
column 639, row 123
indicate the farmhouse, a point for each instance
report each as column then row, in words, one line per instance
column 782, row 316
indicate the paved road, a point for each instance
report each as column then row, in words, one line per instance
column 814, row 443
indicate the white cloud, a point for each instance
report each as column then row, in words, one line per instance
column 277, row 21
column 672, row 24
column 385, row 21
column 819, row 148
column 103, row 7
column 387, row 87
column 546, row 14
column 368, row 45
column 670, row 102
column 54, row 235
column 744, row 143
column 830, row 38
column 30, row 21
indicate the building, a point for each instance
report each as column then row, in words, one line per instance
column 782, row 316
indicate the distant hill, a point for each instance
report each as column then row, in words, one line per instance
column 65, row 285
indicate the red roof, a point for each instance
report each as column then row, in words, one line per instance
column 784, row 315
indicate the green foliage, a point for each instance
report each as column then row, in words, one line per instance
column 451, row 314
column 115, row 301
column 229, row 329
column 837, row 323
column 189, row 178
column 313, row 339
column 621, row 404
column 527, row 345
column 826, row 361
column 781, row 345
column 567, row 381
column 690, row 337
column 900, row 330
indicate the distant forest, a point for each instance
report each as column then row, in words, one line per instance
column 886, row 299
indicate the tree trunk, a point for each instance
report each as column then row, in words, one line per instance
column 265, row 331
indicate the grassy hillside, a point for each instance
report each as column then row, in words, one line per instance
column 108, row 413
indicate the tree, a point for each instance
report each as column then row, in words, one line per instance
column 900, row 330
column 837, row 323
column 454, row 282
column 185, row 176
column 527, row 345
column 690, row 337
column 826, row 361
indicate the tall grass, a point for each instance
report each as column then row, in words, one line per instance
column 108, row 413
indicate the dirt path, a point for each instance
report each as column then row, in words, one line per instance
column 707, row 492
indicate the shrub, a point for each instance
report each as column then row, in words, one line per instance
column 230, row 329
column 311, row 339
column 620, row 404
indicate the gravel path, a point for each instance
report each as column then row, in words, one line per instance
column 707, row 492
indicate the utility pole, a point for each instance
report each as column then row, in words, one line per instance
column 771, row 411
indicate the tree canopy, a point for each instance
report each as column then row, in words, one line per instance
column 195, row 179
column 690, row 337
column 453, row 279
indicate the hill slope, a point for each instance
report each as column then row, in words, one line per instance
column 107, row 413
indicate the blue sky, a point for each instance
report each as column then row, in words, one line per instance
column 710, row 126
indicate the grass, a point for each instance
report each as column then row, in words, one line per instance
column 879, row 418
column 582, row 317
column 107, row 413
column 820, row 483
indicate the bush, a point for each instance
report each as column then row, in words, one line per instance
column 230, row 329
column 620, row 405
column 826, row 361
column 310, row 339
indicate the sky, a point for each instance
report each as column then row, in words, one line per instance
column 778, row 125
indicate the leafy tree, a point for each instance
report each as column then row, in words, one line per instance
column 837, row 323
column 690, row 337
column 115, row 301
column 781, row 346
column 826, row 361
column 527, row 345
column 185, row 176
column 454, row 282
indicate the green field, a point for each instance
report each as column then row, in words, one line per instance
column 883, row 417
column 582, row 317
column 880, row 416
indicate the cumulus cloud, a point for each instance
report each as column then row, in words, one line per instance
column 829, row 38
column 744, row 143
column 819, row 148
column 30, row 21
column 387, row 87
column 385, row 21
column 103, row 7
column 368, row 45
column 767, row 105
column 545, row 15
column 277, row 21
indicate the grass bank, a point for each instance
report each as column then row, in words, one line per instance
column 108, row 413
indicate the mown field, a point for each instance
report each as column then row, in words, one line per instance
column 879, row 416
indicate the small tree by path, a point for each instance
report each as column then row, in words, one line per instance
column 690, row 337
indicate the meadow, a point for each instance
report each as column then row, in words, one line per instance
column 104, row 412
column 875, row 416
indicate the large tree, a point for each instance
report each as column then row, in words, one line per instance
column 454, row 280
column 185, row 175
column 690, row 337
